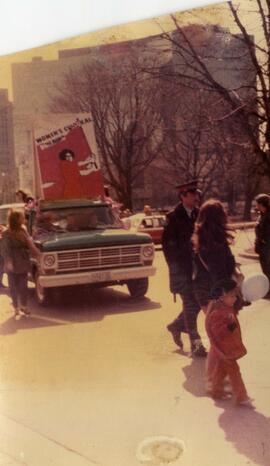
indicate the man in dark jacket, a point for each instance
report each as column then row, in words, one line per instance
column 262, row 231
column 177, row 249
column 2, row 229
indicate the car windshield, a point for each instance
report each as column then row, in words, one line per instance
column 75, row 219
column 148, row 222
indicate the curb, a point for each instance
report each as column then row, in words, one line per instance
column 249, row 255
column 241, row 225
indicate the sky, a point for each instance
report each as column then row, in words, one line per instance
column 214, row 14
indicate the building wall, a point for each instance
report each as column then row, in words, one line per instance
column 8, row 172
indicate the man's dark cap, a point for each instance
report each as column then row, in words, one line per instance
column 188, row 186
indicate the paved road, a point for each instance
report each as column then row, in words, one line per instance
column 87, row 380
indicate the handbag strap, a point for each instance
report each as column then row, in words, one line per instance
column 203, row 262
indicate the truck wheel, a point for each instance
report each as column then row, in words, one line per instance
column 138, row 287
column 43, row 295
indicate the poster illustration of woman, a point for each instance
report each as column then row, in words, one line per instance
column 71, row 175
column 69, row 169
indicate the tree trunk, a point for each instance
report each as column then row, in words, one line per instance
column 251, row 189
column 231, row 199
column 125, row 197
column 247, row 206
column 129, row 200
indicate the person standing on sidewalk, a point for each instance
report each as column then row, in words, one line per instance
column 177, row 249
column 2, row 229
column 16, row 247
column 262, row 234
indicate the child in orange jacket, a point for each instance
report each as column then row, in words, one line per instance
column 226, row 346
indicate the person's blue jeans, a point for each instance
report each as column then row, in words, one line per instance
column 17, row 283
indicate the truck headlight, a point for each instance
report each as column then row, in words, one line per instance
column 49, row 260
column 148, row 251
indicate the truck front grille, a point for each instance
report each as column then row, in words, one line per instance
column 100, row 258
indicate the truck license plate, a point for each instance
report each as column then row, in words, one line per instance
column 102, row 276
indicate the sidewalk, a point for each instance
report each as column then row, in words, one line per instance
column 242, row 225
column 249, row 253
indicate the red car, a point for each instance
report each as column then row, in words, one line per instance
column 153, row 225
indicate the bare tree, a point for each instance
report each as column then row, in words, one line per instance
column 247, row 99
column 235, row 69
column 189, row 144
column 239, row 168
column 125, row 110
column 199, row 143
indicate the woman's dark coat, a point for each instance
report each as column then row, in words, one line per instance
column 262, row 242
column 210, row 267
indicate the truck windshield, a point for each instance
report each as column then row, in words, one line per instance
column 75, row 219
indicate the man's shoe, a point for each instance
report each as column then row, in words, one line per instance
column 198, row 350
column 176, row 335
column 25, row 311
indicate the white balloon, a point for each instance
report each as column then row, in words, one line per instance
column 255, row 287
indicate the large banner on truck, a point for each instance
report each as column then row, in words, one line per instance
column 67, row 164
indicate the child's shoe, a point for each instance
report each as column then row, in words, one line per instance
column 25, row 311
column 247, row 403
column 222, row 396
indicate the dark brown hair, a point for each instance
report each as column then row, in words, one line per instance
column 15, row 220
column 264, row 200
column 15, row 225
column 23, row 195
column 63, row 154
column 211, row 227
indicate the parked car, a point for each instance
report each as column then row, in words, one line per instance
column 153, row 225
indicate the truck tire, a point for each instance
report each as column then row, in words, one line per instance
column 137, row 287
column 43, row 295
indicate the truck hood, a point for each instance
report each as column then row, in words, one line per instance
column 90, row 239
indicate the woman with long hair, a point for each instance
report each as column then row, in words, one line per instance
column 211, row 240
column 16, row 248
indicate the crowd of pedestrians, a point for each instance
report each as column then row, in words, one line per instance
column 202, row 270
